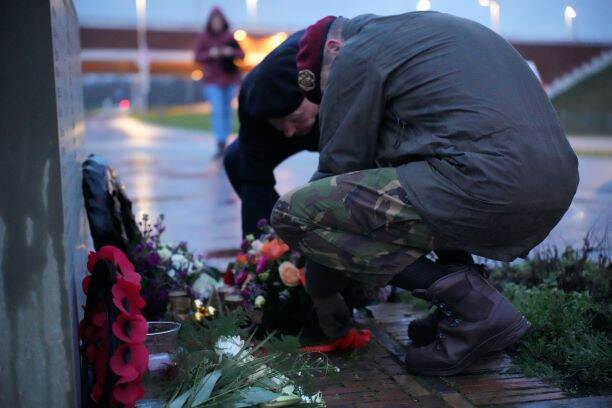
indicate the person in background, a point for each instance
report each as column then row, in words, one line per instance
column 216, row 51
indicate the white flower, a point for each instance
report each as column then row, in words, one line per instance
column 190, row 268
column 204, row 285
column 171, row 273
column 260, row 301
column 229, row 346
column 164, row 253
column 179, row 261
column 313, row 399
column 256, row 247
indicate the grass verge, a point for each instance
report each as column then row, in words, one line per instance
column 182, row 119
column 565, row 295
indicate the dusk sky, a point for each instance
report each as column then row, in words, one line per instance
column 519, row 19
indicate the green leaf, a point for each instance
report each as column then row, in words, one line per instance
column 283, row 401
column 179, row 401
column 255, row 396
column 206, row 387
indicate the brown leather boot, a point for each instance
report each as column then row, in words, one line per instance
column 423, row 331
column 477, row 320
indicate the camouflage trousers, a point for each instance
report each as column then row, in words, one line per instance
column 360, row 223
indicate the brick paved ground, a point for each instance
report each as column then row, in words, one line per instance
column 376, row 377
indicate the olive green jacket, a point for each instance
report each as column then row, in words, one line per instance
column 454, row 107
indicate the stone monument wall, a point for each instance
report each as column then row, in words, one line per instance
column 42, row 224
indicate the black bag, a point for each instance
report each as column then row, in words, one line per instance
column 227, row 63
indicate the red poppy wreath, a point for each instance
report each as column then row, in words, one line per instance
column 113, row 330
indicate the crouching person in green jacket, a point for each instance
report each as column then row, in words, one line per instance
column 435, row 135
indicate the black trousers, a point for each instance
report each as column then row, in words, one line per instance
column 250, row 170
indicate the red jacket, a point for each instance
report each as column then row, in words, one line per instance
column 218, row 70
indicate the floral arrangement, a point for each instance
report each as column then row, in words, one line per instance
column 166, row 268
column 124, row 356
column 268, row 279
column 219, row 367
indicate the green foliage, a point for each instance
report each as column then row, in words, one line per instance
column 585, row 269
column 565, row 295
column 272, row 372
column 194, row 337
column 564, row 345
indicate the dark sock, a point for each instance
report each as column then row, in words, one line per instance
column 449, row 257
column 334, row 316
column 324, row 285
column 420, row 274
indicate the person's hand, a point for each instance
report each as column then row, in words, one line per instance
column 227, row 51
column 213, row 52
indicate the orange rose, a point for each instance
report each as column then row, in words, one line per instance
column 241, row 258
column 274, row 249
column 289, row 274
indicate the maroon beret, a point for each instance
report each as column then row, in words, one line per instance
column 310, row 58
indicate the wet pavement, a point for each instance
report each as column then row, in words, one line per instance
column 171, row 172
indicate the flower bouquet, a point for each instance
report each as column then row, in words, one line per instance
column 268, row 278
column 168, row 268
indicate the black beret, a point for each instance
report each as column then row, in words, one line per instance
column 271, row 90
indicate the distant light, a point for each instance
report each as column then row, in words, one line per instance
column 423, row 5
column 124, row 105
column 494, row 11
column 278, row 38
column 197, row 74
column 251, row 6
column 484, row 3
column 240, row 35
column 569, row 16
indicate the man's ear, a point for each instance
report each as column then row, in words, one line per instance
column 333, row 45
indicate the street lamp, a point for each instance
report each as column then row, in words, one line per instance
column 570, row 15
column 143, row 81
column 494, row 11
column 423, row 5
column 251, row 6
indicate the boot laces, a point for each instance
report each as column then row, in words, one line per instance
column 454, row 321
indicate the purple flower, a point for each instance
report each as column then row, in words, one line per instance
column 244, row 247
column 246, row 292
column 152, row 260
column 261, row 224
column 241, row 277
column 261, row 264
